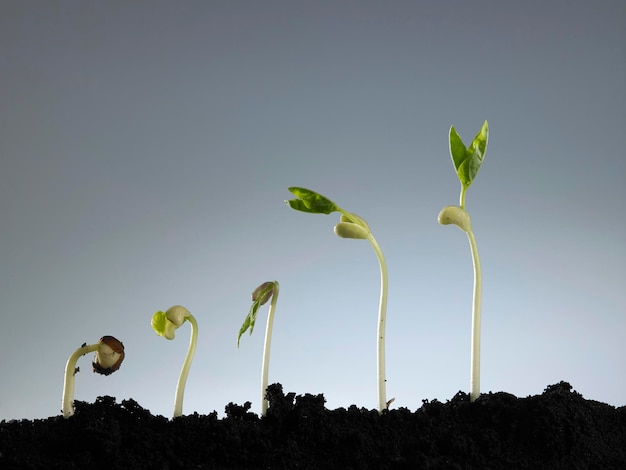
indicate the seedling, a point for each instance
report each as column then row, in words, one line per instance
column 108, row 358
column 165, row 324
column 260, row 296
column 352, row 226
column 467, row 162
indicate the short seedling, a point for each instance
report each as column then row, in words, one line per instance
column 260, row 296
column 352, row 226
column 467, row 161
column 165, row 324
column 108, row 358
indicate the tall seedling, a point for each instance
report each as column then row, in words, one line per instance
column 352, row 226
column 467, row 162
column 260, row 296
column 165, row 324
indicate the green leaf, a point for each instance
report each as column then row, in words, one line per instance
column 159, row 323
column 310, row 201
column 260, row 296
column 467, row 161
column 457, row 148
column 249, row 321
column 298, row 205
column 476, row 151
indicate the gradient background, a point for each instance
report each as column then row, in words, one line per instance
column 146, row 149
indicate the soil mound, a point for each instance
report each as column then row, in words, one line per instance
column 558, row 429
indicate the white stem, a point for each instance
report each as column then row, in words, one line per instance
column 70, row 371
column 182, row 380
column 476, row 313
column 266, row 351
column 382, row 321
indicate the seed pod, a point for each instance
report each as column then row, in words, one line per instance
column 177, row 315
column 457, row 216
column 351, row 230
column 263, row 293
column 109, row 355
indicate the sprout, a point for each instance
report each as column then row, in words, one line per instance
column 352, row 226
column 165, row 324
column 467, row 162
column 108, row 358
column 260, row 296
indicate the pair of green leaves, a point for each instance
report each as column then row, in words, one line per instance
column 467, row 160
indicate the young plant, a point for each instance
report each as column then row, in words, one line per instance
column 260, row 296
column 352, row 226
column 108, row 358
column 467, row 162
column 165, row 324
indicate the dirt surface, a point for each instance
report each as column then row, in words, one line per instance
column 558, row 429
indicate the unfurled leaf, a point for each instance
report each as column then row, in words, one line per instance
column 310, row 201
column 457, row 148
column 467, row 161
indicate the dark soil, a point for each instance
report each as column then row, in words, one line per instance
column 558, row 429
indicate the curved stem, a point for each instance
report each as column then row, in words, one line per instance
column 476, row 313
column 266, row 351
column 349, row 216
column 70, row 372
column 382, row 321
column 182, row 379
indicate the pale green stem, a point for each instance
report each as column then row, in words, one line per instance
column 70, row 371
column 382, row 318
column 182, row 379
column 462, row 197
column 382, row 321
column 266, row 351
column 476, row 311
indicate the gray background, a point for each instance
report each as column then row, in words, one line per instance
column 146, row 149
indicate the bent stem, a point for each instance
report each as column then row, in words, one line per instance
column 109, row 356
column 353, row 226
column 260, row 296
column 184, row 373
column 382, row 321
column 458, row 216
column 70, row 379
column 165, row 324
column 266, row 350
